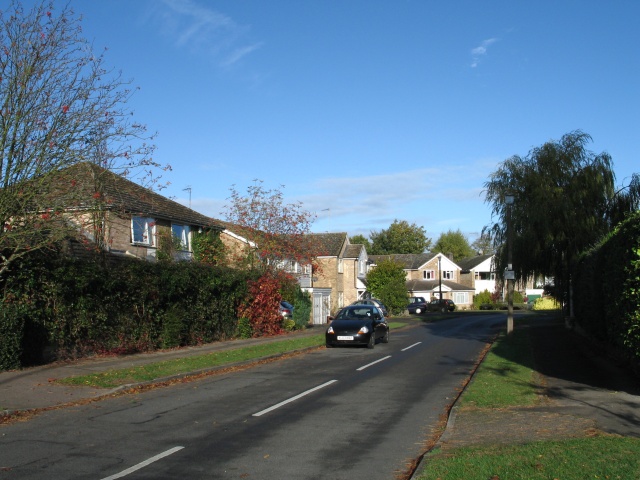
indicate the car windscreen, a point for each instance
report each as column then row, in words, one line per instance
column 355, row 313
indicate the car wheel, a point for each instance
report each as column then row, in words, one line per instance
column 418, row 311
column 372, row 340
column 385, row 338
column 444, row 309
column 329, row 345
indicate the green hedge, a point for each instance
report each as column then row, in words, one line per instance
column 607, row 289
column 73, row 308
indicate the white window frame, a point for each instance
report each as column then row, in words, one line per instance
column 447, row 274
column 145, row 233
column 461, row 298
column 340, row 265
column 362, row 266
column 183, row 233
column 429, row 274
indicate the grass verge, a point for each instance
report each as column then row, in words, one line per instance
column 146, row 373
column 604, row 457
column 153, row 371
column 507, row 378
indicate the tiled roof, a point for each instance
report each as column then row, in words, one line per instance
column 127, row 196
column 330, row 243
column 426, row 285
column 353, row 250
column 409, row 261
column 472, row 262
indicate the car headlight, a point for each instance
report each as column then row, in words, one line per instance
column 330, row 330
column 363, row 330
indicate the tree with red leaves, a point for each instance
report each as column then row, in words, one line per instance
column 277, row 232
column 278, row 239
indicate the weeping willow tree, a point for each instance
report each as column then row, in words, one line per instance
column 565, row 200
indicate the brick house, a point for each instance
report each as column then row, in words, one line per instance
column 339, row 279
column 423, row 276
column 124, row 218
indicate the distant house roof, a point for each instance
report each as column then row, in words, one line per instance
column 122, row 194
column 409, row 261
column 353, row 251
column 470, row 263
column 330, row 243
column 428, row 285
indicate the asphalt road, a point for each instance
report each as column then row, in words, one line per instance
column 342, row 413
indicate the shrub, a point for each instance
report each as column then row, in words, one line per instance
column 12, row 322
column 546, row 303
column 172, row 328
column 288, row 324
column 607, row 289
column 302, row 307
column 79, row 307
column 244, row 328
column 483, row 300
column 261, row 307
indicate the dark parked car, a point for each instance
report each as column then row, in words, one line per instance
column 417, row 305
column 358, row 325
column 374, row 302
column 444, row 305
column 286, row 309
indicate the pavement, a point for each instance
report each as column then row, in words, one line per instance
column 582, row 389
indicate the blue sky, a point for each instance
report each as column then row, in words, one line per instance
column 368, row 111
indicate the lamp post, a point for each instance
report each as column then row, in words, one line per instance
column 509, row 273
column 440, row 278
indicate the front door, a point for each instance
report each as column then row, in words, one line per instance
column 321, row 305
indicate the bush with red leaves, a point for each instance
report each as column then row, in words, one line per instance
column 262, row 308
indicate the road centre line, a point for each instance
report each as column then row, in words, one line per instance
column 143, row 464
column 372, row 363
column 410, row 346
column 267, row 410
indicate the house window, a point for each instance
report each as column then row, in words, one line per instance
column 362, row 265
column 461, row 297
column 181, row 233
column 429, row 274
column 340, row 266
column 485, row 276
column 143, row 231
column 447, row 275
column 340, row 299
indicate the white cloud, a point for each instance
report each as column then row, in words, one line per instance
column 480, row 51
column 240, row 53
column 202, row 29
column 438, row 198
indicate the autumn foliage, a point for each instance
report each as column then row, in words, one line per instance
column 277, row 232
column 262, row 306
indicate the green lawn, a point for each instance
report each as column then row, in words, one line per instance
column 601, row 457
column 507, row 378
